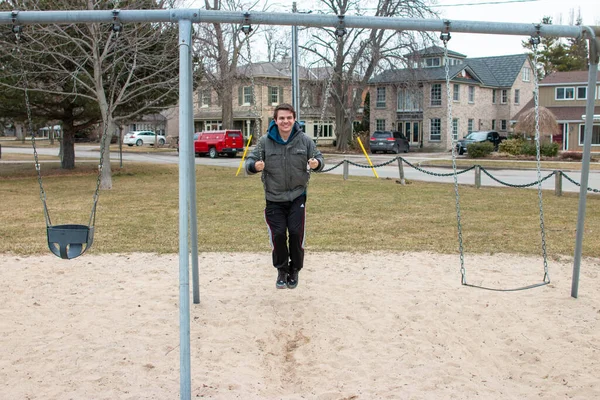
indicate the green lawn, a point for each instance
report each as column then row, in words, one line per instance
column 361, row 214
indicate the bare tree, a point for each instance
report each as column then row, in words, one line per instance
column 278, row 42
column 221, row 47
column 125, row 71
column 354, row 55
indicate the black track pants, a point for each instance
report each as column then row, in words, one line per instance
column 285, row 218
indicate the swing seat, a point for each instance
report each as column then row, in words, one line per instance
column 68, row 241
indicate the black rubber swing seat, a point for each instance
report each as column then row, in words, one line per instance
column 69, row 241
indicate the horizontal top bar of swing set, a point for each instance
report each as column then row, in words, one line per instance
column 291, row 19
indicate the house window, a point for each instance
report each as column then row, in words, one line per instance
column 273, row 95
column 245, row 96
column 517, row 96
column 493, row 124
column 380, row 103
column 456, row 92
column 595, row 135
column 598, row 92
column 380, row 124
column 432, row 62
column 455, row 128
column 408, row 100
column 212, row 125
column 504, row 98
column 435, row 129
column 306, row 95
column 581, row 93
column 526, row 74
column 471, row 94
column 205, row 98
column 493, row 96
column 564, row 93
column 503, row 125
column 326, row 129
column 470, row 125
column 436, row 94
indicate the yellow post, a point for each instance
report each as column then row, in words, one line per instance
column 244, row 155
column 368, row 159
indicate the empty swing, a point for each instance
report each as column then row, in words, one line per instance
column 445, row 37
column 66, row 241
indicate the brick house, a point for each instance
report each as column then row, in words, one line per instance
column 565, row 95
column 272, row 82
column 486, row 94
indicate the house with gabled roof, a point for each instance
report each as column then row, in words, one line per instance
column 565, row 95
column 272, row 86
column 486, row 94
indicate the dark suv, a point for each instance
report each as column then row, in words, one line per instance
column 478, row 137
column 392, row 141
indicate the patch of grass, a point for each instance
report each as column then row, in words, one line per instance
column 140, row 213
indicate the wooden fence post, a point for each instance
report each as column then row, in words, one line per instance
column 401, row 171
column 477, row 176
column 558, row 183
column 346, row 169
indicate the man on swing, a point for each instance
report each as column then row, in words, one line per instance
column 285, row 156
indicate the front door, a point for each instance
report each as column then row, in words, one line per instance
column 412, row 131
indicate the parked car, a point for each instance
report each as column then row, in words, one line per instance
column 214, row 143
column 140, row 138
column 479, row 136
column 388, row 141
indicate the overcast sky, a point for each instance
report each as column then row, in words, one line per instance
column 476, row 45
column 532, row 11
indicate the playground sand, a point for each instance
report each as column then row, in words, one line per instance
column 359, row 326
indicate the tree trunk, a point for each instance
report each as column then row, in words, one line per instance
column 106, row 176
column 68, row 146
column 227, row 98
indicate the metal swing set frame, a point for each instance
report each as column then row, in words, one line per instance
column 188, row 231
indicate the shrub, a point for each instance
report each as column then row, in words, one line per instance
column 571, row 155
column 480, row 149
column 549, row 149
column 528, row 148
column 511, row 146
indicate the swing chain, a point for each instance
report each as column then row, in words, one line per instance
column 535, row 41
column 247, row 29
column 117, row 29
column 18, row 30
column 340, row 31
column 445, row 37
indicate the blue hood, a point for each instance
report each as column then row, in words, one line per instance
column 273, row 132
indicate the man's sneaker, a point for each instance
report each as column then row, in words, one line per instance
column 292, row 279
column 282, row 276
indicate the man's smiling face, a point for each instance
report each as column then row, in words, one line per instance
column 285, row 121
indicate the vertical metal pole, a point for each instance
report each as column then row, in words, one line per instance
column 185, row 148
column 585, row 166
column 192, row 194
column 294, row 67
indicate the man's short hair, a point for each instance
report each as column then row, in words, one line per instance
column 286, row 107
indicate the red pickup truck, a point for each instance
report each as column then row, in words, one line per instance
column 216, row 143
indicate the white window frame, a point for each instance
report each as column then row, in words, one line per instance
column 517, row 96
column 380, row 97
column 470, row 124
column 577, row 92
column 526, row 77
column 504, row 96
column 434, row 87
column 494, row 95
column 456, row 92
column 493, row 124
column 566, row 90
column 438, row 123
column 471, row 94
column 433, row 62
column 247, row 95
column 455, row 124
column 595, row 127
column 204, row 94
column 503, row 125
column 274, row 95
column 380, row 124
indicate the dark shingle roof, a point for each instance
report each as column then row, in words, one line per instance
column 435, row 51
column 499, row 71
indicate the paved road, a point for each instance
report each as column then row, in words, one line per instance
column 515, row 177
